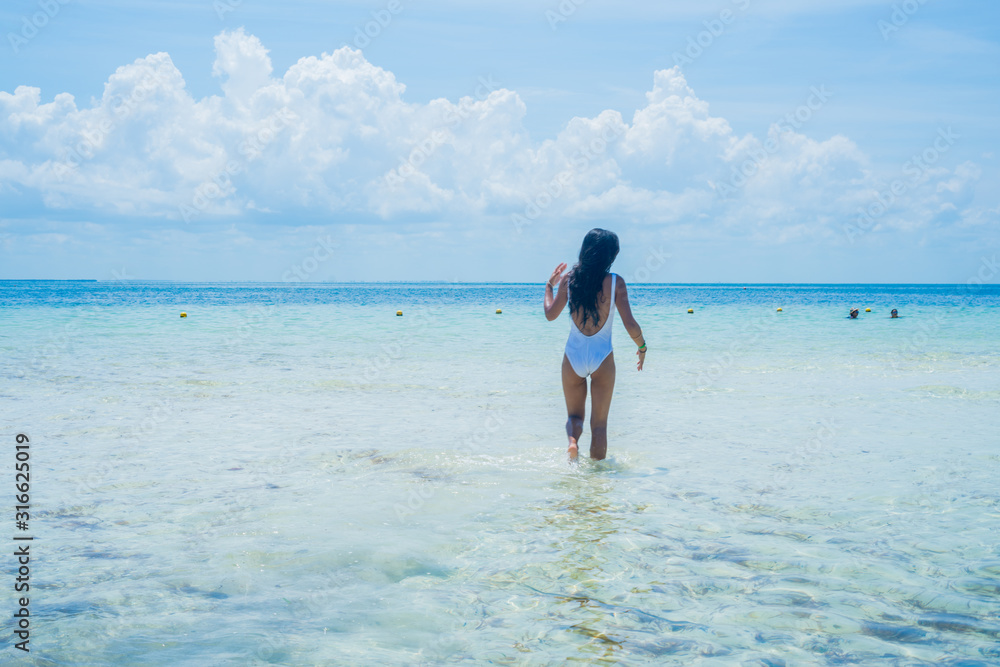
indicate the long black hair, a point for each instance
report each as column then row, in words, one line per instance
column 597, row 254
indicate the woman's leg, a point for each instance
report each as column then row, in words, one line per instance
column 575, row 389
column 602, row 385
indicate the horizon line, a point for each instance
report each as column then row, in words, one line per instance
column 447, row 282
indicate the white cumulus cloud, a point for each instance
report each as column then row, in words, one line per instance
column 335, row 135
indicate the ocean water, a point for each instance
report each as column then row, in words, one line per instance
column 294, row 475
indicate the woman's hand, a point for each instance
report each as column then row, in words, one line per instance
column 555, row 295
column 642, row 357
column 556, row 276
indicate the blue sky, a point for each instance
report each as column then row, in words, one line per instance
column 228, row 140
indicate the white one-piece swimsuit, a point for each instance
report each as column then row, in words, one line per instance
column 587, row 353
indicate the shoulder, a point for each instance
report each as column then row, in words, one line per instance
column 620, row 287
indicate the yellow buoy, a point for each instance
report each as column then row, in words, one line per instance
column 868, row 310
column 399, row 313
column 499, row 312
column 183, row 314
column 779, row 310
column 690, row 310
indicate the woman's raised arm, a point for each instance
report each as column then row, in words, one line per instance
column 554, row 303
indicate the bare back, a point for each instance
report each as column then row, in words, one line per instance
column 603, row 310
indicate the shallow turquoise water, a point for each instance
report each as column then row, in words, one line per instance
column 293, row 475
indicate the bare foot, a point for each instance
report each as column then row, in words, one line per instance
column 573, row 450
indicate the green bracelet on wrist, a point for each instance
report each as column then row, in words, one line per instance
column 643, row 348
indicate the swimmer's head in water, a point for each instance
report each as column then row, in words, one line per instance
column 597, row 254
column 894, row 313
column 854, row 313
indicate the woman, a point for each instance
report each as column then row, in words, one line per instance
column 593, row 295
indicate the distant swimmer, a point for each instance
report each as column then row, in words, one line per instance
column 593, row 295
column 854, row 313
column 894, row 314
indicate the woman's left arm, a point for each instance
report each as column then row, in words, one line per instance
column 631, row 326
column 554, row 303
